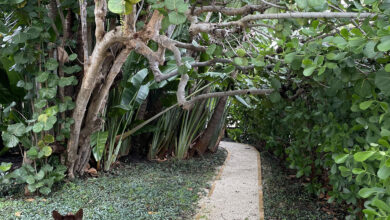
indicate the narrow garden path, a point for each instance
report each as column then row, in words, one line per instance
column 236, row 193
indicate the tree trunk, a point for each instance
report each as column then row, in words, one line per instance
column 204, row 141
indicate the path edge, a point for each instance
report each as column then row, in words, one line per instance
column 218, row 177
column 260, row 183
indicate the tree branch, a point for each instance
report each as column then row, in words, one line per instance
column 188, row 104
column 162, row 77
column 100, row 16
column 84, row 31
column 247, row 9
column 214, row 28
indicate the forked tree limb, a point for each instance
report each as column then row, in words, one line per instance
column 91, row 75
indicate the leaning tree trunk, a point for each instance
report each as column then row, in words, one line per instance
column 212, row 126
column 86, row 120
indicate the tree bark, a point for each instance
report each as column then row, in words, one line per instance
column 201, row 145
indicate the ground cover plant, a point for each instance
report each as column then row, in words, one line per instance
column 136, row 190
column 285, row 196
column 85, row 82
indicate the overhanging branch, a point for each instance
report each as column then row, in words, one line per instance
column 196, row 28
column 188, row 104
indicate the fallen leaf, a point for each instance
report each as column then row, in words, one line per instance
column 18, row 214
column 30, row 200
column 44, row 200
column 92, row 171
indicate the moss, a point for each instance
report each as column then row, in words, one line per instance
column 146, row 190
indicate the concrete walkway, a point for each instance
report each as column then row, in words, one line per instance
column 236, row 193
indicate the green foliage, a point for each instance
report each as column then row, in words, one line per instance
column 34, row 124
column 329, row 116
column 122, row 7
column 168, row 190
column 191, row 124
column 164, row 136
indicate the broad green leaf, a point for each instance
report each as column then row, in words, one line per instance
column 173, row 4
column 51, row 120
column 210, row 49
column 30, row 179
column 5, row 166
column 240, row 61
column 387, row 67
column 367, row 192
column 241, row 52
column 38, row 127
column 183, row 7
column 290, row 57
column 40, row 175
column 318, row 5
column 384, row 172
column 357, row 171
column 363, row 88
column 258, row 61
column 71, row 69
column 42, row 77
column 274, row 97
column 381, row 205
column 275, row 83
column 142, row 94
column 33, row 152
column 116, row 6
column 47, row 93
column 176, row 18
column 362, row 156
column 45, row 190
column 72, row 57
column 51, row 64
column 242, row 101
column 365, row 105
column 183, row 69
column 66, row 81
column 47, row 150
column 309, row 71
column 382, row 81
column 302, row 4
column 42, row 118
column 10, row 140
column 49, row 139
column 340, row 158
column 133, row 1
column 369, row 2
column 369, row 49
column 384, row 143
column 384, row 46
column 334, row 56
column 17, row 129
column 385, row 132
column 138, row 78
column 40, row 104
column 98, row 142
